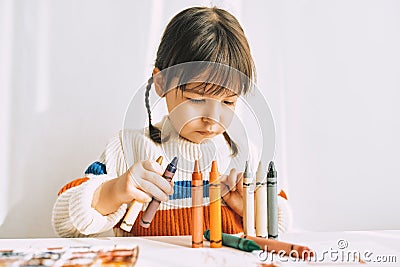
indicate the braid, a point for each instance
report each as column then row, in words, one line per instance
column 154, row 132
column 232, row 144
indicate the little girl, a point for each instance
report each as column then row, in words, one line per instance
column 195, row 128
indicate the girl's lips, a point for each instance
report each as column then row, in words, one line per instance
column 205, row 132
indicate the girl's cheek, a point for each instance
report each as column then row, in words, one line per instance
column 183, row 114
column 227, row 115
column 186, row 112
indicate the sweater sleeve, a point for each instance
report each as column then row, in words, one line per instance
column 73, row 215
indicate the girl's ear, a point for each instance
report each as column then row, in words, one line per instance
column 157, row 79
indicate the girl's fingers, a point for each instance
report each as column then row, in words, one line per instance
column 232, row 185
column 239, row 185
column 153, row 167
column 141, row 196
column 235, row 202
column 224, row 185
column 231, row 180
column 146, row 177
column 225, row 190
column 159, row 181
column 152, row 189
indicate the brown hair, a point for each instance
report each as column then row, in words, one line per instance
column 203, row 34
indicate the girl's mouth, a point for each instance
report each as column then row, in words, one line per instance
column 206, row 133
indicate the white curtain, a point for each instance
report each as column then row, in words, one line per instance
column 6, row 37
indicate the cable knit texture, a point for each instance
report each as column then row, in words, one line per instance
column 73, row 215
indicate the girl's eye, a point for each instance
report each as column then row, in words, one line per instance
column 196, row 100
column 229, row 103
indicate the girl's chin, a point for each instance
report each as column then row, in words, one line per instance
column 196, row 139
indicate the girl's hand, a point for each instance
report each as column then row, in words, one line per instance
column 142, row 181
column 232, row 190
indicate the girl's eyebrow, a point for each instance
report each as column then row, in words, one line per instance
column 234, row 94
column 202, row 94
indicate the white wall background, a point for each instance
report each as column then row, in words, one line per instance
column 329, row 69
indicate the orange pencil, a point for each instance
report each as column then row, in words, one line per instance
column 197, row 207
column 134, row 210
column 215, row 208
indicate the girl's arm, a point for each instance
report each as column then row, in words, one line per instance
column 73, row 215
column 98, row 204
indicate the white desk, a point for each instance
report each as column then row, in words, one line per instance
column 176, row 251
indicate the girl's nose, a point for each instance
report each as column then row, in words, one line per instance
column 212, row 111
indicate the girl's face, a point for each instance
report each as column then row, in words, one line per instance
column 200, row 116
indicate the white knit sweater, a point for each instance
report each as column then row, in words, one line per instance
column 73, row 215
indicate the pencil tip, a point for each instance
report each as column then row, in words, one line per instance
column 272, row 173
column 214, row 167
column 207, row 234
column 159, row 160
column 196, row 166
column 260, row 174
column 259, row 167
column 174, row 161
column 247, row 173
column 271, row 167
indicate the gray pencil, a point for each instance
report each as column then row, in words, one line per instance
column 272, row 202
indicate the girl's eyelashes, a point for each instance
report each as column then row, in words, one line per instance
column 196, row 100
column 202, row 100
column 229, row 103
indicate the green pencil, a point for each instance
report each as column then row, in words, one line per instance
column 235, row 242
